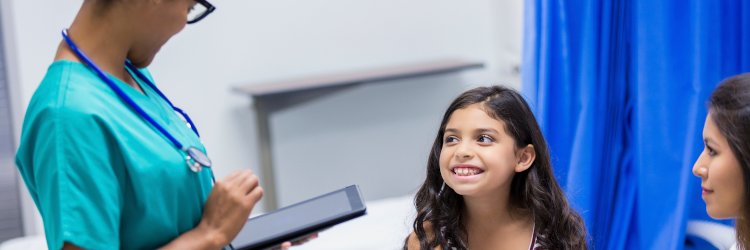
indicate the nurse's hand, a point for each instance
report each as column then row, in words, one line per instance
column 226, row 210
column 289, row 244
column 228, row 206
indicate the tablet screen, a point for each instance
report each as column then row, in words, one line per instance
column 294, row 217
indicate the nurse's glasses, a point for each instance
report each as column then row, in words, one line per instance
column 200, row 10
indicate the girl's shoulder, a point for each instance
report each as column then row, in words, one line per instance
column 413, row 241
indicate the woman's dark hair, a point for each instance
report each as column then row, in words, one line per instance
column 440, row 216
column 729, row 107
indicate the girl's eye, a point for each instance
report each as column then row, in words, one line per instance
column 450, row 139
column 485, row 139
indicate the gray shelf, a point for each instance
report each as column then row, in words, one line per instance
column 357, row 77
column 264, row 93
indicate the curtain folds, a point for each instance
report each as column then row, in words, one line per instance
column 619, row 88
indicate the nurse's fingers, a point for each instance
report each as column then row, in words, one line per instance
column 248, row 183
column 286, row 245
column 231, row 177
column 305, row 239
column 237, row 177
column 254, row 196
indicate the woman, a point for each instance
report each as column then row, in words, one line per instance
column 106, row 160
column 724, row 164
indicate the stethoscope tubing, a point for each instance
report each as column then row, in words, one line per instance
column 190, row 152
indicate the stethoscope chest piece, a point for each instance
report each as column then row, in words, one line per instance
column 196, row 159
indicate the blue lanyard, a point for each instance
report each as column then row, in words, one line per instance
column 195, row 158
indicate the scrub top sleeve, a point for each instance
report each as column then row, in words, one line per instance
column 81, row 200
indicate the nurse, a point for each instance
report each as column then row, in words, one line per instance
column 109, row 162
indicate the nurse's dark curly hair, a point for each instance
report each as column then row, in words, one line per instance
column 730, row 109
column 440, row 216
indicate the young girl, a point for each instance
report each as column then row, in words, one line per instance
column 724, row 165
column 489, row 181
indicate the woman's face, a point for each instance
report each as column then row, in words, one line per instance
column 720, row 173
column 155, row 22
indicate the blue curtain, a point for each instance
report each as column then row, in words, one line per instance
column 619, row 88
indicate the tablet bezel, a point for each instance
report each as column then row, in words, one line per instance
column 356, row 202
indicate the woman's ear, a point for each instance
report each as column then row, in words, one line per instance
column 526, row 157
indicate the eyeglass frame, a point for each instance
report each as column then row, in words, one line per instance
column 209, row 8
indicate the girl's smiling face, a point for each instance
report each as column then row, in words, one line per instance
column 478, row 156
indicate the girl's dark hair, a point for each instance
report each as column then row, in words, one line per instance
column 440, row 216
column 730, row 109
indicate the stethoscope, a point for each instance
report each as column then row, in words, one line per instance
column 195, row 159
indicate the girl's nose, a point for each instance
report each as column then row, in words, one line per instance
column 464, row 152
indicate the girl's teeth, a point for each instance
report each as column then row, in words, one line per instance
column 466, row 171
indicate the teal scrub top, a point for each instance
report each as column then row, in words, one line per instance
column 101, row 176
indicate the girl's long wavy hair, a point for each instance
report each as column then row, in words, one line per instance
column 440, row 215
column 730, row 109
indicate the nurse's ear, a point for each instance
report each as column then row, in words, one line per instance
column 525, row 158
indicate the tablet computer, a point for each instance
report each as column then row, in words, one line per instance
column 301, row 219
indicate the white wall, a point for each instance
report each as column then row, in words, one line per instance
column 253, row 41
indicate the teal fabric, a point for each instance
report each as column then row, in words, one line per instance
column 101, row 176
